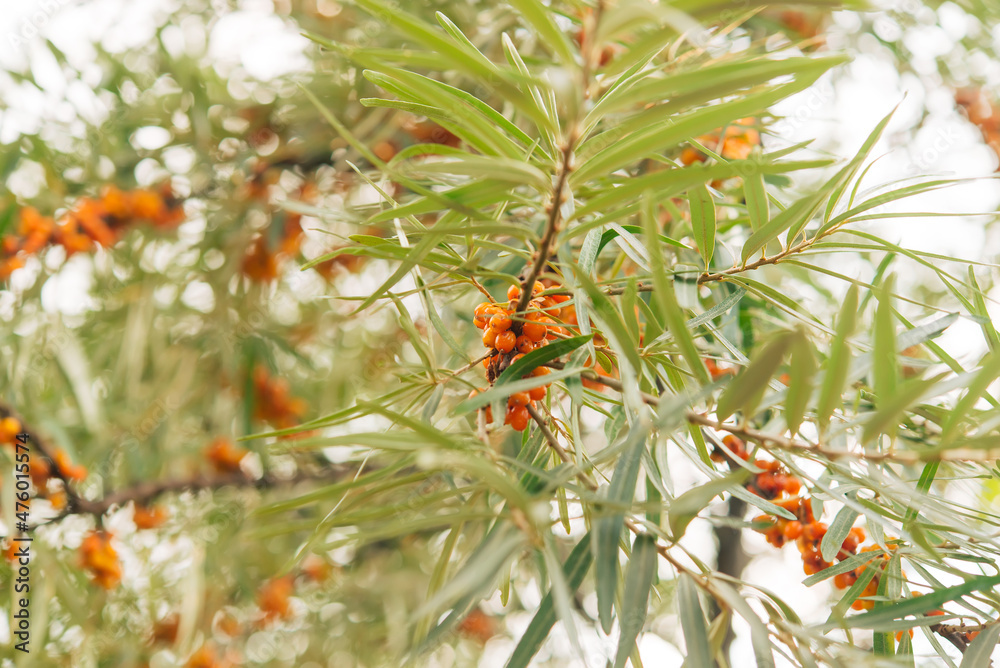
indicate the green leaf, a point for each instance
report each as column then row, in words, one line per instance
column 632, row 141
column 885, row 344
column 693, row 623
column 802, row 370
column 635, row 602
column 882, row 642
column 838, row 363
column 510, row 387
column 686, row 507
column 992, row 338
column 978, row 653
column 801, row 212
column 758, row 208
column 540, row 356
column 989, row 371
column 838, row 184
column 746, row 390
column 540, row 17
column 479, row 571
column 885, row 419
column 918, row 605
column 760, row 638
column 702, row 208
column 574, row 570
column 609, row 523
column 834, row 537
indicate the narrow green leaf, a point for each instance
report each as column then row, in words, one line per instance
column 746, row 390
column 978, row 653
column 989, row 371
column 885, row 343
column 918, row 605
column 608, row 525
column 838, row 363
column 509, row 388
column 686, row 507
column 540, row 356
column 834, row 537
column 885, row 419
column 574, row 570
column 758, row 208
column 702, row 208
column 840, row 182
column 802, row 370
column 693, row 623
column 540, row 17
column 992, row 338
column 635, row 602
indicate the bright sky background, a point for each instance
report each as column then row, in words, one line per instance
column 264, row 45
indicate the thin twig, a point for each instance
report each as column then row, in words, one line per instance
column 47, row 450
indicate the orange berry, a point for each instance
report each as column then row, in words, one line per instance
column 518, row 418
column 513, row 292
column 792, row 485
column 316, row 568
column 224, row 456
column 149, row 518
column 481, row 309
column 537, row 288
column 500, row 321
column 793, row 530
column 99, row 557
column 537, row 393
column 524, row 344
column 66, row 467
column 490, row 337
column 9, row 429
column 478, row 626
column 272, row 598
column 844, row 580
column 504, row 341
column 519, row 399
column 533, row 329
column 540, row 371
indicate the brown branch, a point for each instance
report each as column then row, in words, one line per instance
column 553, row 442
column 551, row 226
column 144, row 492
column 802, row 447
column 46, row 450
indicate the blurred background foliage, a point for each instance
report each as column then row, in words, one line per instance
column 181, row 284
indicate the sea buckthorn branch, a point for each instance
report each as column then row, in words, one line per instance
column 145, row 492
column 551, row 225
column 800, row 247
column 791, row 445
column 55, row 459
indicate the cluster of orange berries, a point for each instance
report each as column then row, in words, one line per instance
column 737, row 142
column 261, row 262
column 781, row 488
column 478, row 626
column 510, row 339
column 41, row 469
column 149, row 518
column 983, row 113
column 207, row 656
column 273, row 401
column 224, row 455
column 100, row 558
column 91, row 221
